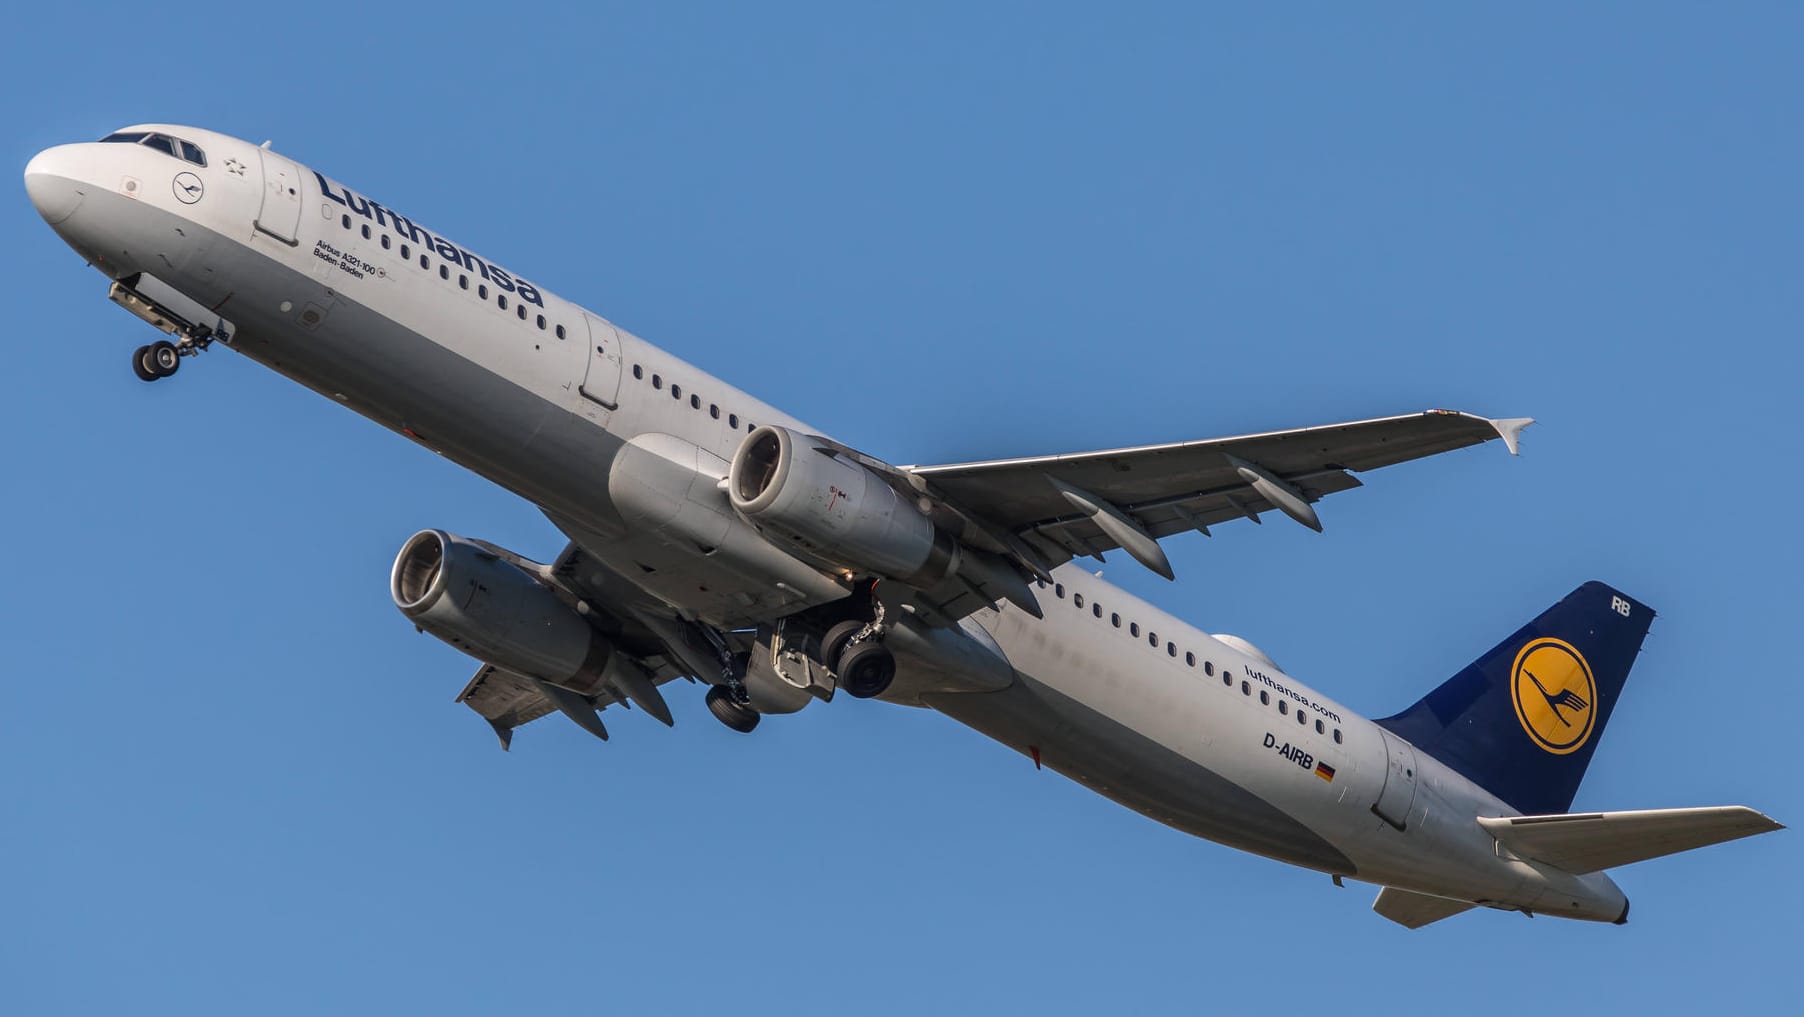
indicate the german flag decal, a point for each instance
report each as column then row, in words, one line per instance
column 1324, row 771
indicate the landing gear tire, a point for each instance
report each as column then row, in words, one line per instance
column 867, row 670
column 141, row 364
column 834, row 642
column 737, row 716
column 163, row 358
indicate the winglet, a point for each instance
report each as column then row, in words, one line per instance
column 1510, row 430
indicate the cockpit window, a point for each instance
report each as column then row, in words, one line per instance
column 186, row 151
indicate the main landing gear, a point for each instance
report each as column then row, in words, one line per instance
column 730, row 711
column 854, row 650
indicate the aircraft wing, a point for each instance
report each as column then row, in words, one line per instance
column 1086, row 503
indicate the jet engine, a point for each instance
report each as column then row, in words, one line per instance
column 478, row 601
column 828, row 508
column 820, row 505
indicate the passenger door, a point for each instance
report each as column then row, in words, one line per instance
column 1399, row 792
column 280, row 214
column 601, row 379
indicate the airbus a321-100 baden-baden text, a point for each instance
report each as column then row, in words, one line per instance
column 715, row 538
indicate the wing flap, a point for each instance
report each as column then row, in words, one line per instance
column 1593, row 841
column 1413, row 910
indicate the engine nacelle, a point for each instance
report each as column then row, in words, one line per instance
column 491, row 609
column 819, row 504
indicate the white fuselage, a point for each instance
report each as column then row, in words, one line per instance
column 1108, row 690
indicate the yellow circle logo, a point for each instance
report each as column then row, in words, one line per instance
column 1554, row 694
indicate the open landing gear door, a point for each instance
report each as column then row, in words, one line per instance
column 280, row 214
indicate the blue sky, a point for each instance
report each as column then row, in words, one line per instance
column 236, row 779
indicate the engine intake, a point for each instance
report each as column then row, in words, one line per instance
column 483, row 604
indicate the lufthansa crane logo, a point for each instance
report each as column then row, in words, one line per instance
column 187, row 188
column 1554, row 695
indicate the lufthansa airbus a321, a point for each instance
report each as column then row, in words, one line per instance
column 715, row 538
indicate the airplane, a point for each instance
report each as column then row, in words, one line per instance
column 714, row 538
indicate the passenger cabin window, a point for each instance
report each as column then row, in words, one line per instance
column 1078, row 599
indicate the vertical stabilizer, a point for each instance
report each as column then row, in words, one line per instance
column 1523, row 720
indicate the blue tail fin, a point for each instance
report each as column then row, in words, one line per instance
column 1522, row 720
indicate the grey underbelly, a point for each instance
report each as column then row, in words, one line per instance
column 1133, row 770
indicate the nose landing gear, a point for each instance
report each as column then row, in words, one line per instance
column 154, row 301
column 158, row 360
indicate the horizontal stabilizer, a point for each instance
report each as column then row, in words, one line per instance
column 1414, row 910
column 1591, row 841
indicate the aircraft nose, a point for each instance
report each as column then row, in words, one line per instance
column 51, row 181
